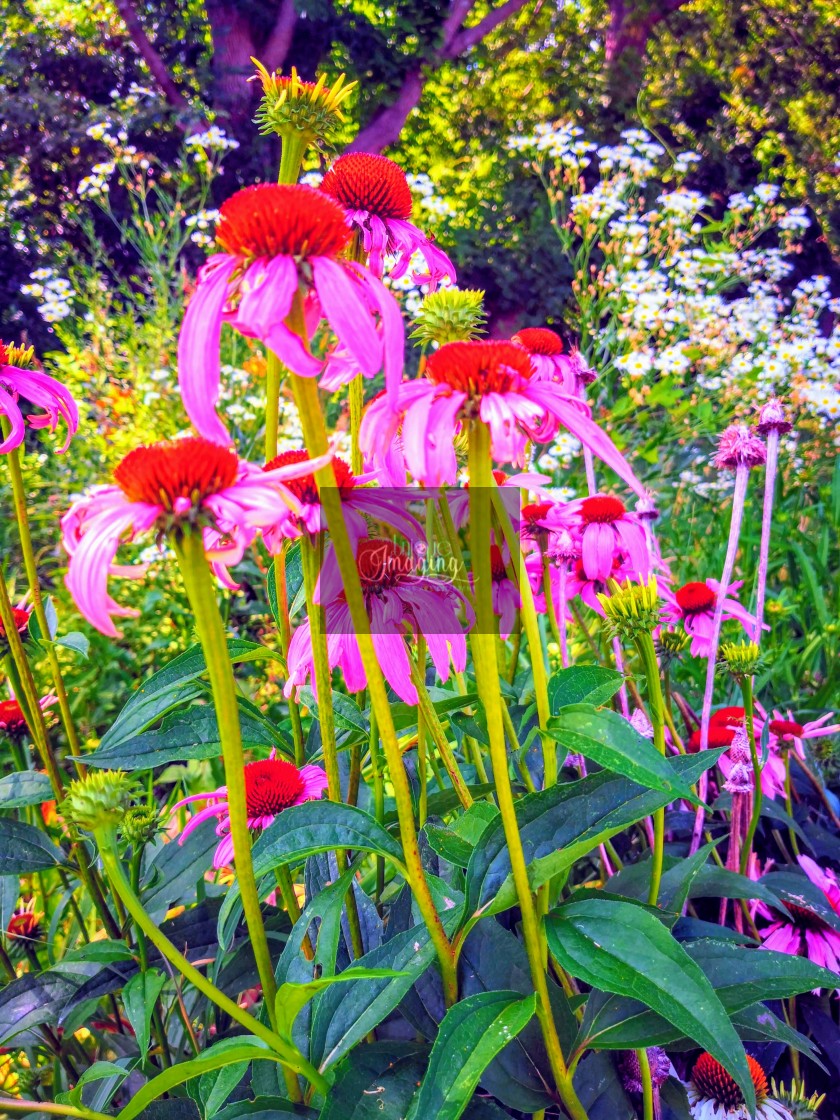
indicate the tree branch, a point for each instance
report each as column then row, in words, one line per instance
column 156, row 65
column 387, row 123
column 276, row 48
column 469, row 36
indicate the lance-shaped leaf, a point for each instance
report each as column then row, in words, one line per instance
column 610, row 740
column 563, row 823
column 321, row 826
column 621, row 948
column 27, row 787
column 24, row 848
column 582, row 684
column 472, row 1033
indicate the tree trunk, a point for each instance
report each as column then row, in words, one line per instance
column 630, row 27
column 233, row 47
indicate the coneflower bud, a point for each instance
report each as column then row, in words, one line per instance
column 299, row 110
column 739, row 659
column 795, row 1100
column 141, row 824
column 450, row 315
column 631, row 608
column 99, row 800
column 670, row 645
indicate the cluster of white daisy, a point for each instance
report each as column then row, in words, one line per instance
column 98, row 182
column 710, row 312
column 203, row 225
column 425, row 191
column 202, row 145
column 53, row 290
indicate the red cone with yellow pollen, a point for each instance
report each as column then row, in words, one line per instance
column 713, row 1094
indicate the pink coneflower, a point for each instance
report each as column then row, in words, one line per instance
column 164, row 488
column 493, row 381
column 278, row 239
column 397, row 601
column 787, row 734
column 271, row 785
column 459, row 503
column 19, row 378
column 607, row 530
column 358, row 501
column 803, row 932
column 714, row 1095
column 588, row 589
column 21, row 620
column 377, row 198
column 12, row 719
column 550, row 361
column 693, row 604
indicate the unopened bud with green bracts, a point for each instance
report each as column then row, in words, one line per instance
column 450, row 315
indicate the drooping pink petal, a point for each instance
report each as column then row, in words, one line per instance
column 346, row 312
column 9, row 408
column 198, row 349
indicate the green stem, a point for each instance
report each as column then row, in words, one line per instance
column 357, row 404
column 487, row 678
column 532, row 633
column 656, row 711
column 273, row 376
column 378, row 799
column 315, row 436
column 211, row 632
column 647, row 1084
column 789, row 803
column 310, row 558
column 286, row 1051
column 293, row 147
column 20, row 502
column 758, row 795
column 33, row 1108
column 430, row 718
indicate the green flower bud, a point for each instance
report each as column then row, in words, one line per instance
column 795, row 1101
column 631, row 608
column 98, row 800
column 299, row 110
column 141, row 824
column 670, row 646
column 739, row 659
column 450, row 315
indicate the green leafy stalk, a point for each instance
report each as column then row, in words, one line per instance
column 20, row 503
column 291, row 1057
column 487, row 679
column 430, row 717
column 211, row 632
column 315, row 436
column 656, row 713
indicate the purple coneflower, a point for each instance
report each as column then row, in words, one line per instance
column 19, row 378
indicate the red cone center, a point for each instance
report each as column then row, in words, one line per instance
column 191, row 468
column 279, row 220
column 362, row 181
column 272, row 784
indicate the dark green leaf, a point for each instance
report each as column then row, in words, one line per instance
column 264, row 1108
column 563, row 823
column 472, row 1033
column 75, row 641
column 321, row 826
column 24, row 849
column 293, row 997
column 742, row 976
column 757, row 1023
column 621, row 948
column 376, row 1082
column 27, row 787
column 610, row 740
column 190, row 734
column 582, row 684
column 346, row 712
column 795, row 887
column 173, row 686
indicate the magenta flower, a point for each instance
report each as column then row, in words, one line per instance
column 271, row 785
column 278, row 240
column 803, row 932
column 161, row 488
column 493, row 381
column 606, row 531
column 358, row 500
column 19, row 379
column 397, row 600
column 550, row 361
column 377, row 198
column 12, row 719
column 693, row 604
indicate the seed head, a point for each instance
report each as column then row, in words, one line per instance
column 291, row 107
column 631, row 608
column 739, row 659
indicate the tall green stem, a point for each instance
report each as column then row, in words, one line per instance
column 430, row 717
column 211, row 632
column 656, row 711
column 293, row 1060
column 315, row 436
column 758, row 793
column 20, row 502
column 273, row 376
column 487, row 679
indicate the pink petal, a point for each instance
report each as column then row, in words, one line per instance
column 347, row 313
column 198, row 351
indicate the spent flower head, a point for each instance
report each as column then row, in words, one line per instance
column 631, row 608
column 291, row 107
column 450, row 315
column 141, row 824
column 671, row 645
column 99, row 800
